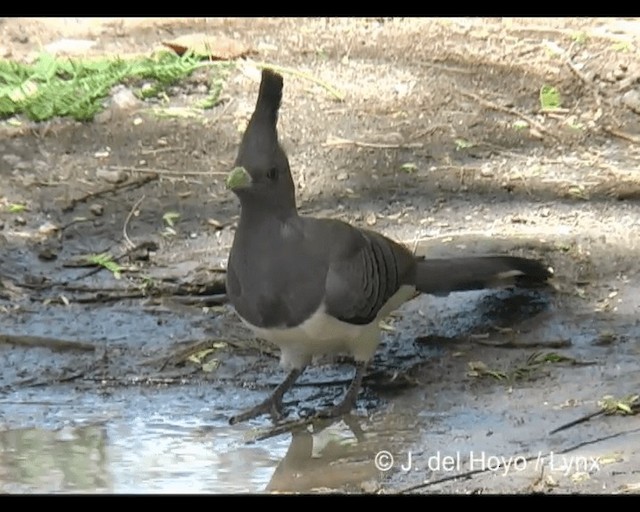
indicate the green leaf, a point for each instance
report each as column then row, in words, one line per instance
column 580, row 37
column 621, row 46
column 549, row 98
column 17, row 208
column 463, row 144
column 170, row 218
column 409, row 167
column 105, row 260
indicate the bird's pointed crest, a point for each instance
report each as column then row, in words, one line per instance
column 262, row 131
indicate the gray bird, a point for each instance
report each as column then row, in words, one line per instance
column 321, row 286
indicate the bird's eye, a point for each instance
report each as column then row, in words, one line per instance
column 272, row 173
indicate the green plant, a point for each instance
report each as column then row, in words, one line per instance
column 106, row 260
column 549, row 98
column 59, row 87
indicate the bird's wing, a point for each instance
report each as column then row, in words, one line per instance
column 364, row 271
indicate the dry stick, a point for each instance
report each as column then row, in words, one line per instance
column 143, row 245
column 337, row 141
column 204, row 300
column 118, row 186
column 77, row 220
column 109, row 297
column 510, row 111
column 515, row 344
column 622, row 135
column 148, row 380
column 161, row 150
column 32, row 382
column 581, row 76
column 161, row 172
column 587, row 417
column 282, row 428
column 127, row 240
column 224, row 110
column 45, row 341
column 573, row 423
column 597, row 91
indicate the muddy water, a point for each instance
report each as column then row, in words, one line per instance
column 92, row 436
column 157, row 442
column 114, row 445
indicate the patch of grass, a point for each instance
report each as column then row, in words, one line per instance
column 202, row 359
column 628, row 405
column 480, row 369
column 531, row 365
column 213, row 98
column 622, row 46
column 463, row 144
column 579, row 37
column 170, row 218
column 573, row 123
column 578, row 192
column 60, row 87
column 17, row 208
column 409, row 167
column 520, row 125
column 106, row 260
column 549, row 98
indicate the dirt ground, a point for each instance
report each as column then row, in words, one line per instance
column 439, row 142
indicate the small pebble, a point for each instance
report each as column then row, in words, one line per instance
column 97, row 209
column 111, row 176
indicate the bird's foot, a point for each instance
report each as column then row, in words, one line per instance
column 349, row 400
column 271, row 406
column 337, row 410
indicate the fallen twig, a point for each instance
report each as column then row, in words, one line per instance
column 338, row 141
column 184, row 353
column 110, row 190
column 160, row 172
column 108, row 297
column 519, row 345
column 127, row 240
column 55, row 344
column 608, row 405
column 319, row 423
column 573, row 423
column 141, row 246
column 203, row 300
column 622, row 135
column 510, row 111
column 155, row 151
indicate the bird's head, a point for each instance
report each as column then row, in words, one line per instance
column 261, row 177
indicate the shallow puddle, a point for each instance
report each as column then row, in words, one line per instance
column 143, row 446
column 120, row 437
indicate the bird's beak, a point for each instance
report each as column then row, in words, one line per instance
column 238, row 178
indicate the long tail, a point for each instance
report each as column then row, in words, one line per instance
column 442, row 276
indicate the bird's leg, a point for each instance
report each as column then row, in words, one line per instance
column 349, row 400
column 273, row 404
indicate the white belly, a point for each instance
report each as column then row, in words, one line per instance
column 322, row 334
